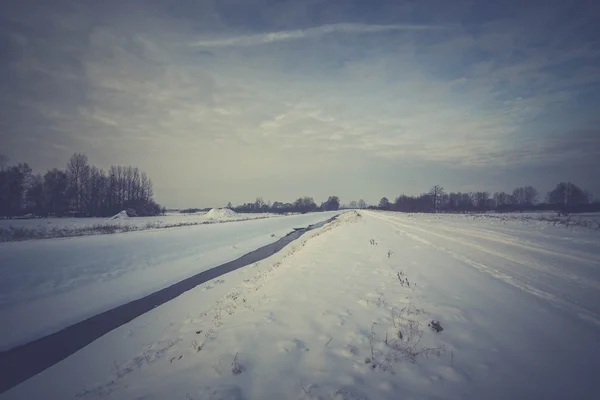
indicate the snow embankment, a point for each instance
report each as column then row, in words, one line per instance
column 376, row 306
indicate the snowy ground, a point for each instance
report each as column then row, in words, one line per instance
column 585, row 220
column 41, row 228
column 343, row 313
column 49, row 284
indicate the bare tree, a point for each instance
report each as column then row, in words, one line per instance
column 120, row 186
column 146, row 183
column 135, row 183
column 362, row 204
column 55, row 191
column 77, row 173
column 481, row 199
column 436, row 194
column 14, row 182
column 259, row 203
column 384, row 203
column 568, row 194
column 502, row 199
column 525, row 196
column 35, row 195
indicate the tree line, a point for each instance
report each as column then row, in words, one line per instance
column 85, row 190
column 78, row 190
column 301, row 205
column 565, row 198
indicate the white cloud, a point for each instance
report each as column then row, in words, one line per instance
column 309, row 33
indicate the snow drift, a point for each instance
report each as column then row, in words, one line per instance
column 220, row 213
column 121, row 215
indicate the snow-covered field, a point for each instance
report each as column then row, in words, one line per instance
column 345, row 313
column 49, row 284
column 40, row 228
column 585, row 220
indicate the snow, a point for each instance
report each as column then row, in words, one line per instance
column 49, row 284
column 220, row 213
column 519, row 305
column 585, row 220
column 10, row 229
column 121, row 215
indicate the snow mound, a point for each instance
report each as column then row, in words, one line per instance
column 121, row 215
column 220, row 213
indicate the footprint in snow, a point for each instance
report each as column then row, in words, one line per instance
column 288, row 345
column 349, row 351
column 224, row 392
column 213, row 284
column 349, row 393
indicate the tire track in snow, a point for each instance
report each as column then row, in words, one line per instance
column 509, row 241
column 546, row 269
column 570, row 307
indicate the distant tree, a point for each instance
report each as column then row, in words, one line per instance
column 332, row 204
column 353, row 204
column 436, row 194
column 259, row 203
column 568, row 194
column 81, row 188
column 481, row 199
column 13, row 185
column 305, row 204
column 96, row 202
column 35, row 195
column 444, row 201
column 466, row 202
column 229, row 205
column 525, row 196
column 362, row 204
column 420, row 203
column 146, row 191
column 55, row 189
column 78, row 173
column 384, row 203
column 502, row 199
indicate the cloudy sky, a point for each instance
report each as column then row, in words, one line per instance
column 227, row 100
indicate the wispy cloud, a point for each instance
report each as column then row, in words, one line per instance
column 309, row 33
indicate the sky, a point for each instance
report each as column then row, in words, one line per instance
column 229, row 100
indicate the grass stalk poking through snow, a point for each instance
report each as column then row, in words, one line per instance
column 236, row 368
